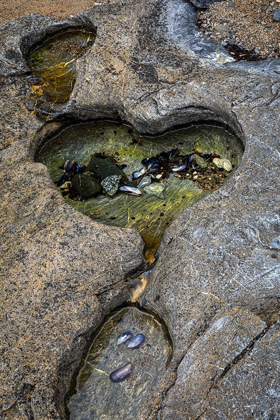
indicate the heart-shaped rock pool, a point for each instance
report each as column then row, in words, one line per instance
column 116, row 176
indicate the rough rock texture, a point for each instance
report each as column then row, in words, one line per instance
column 230, row 334
column 216, row 281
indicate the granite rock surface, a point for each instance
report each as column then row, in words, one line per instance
column 216, row 280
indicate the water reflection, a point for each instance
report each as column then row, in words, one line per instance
column 54, row 62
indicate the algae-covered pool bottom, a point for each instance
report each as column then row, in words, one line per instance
column 96, row 395
column 149, row 214
column 54, row 61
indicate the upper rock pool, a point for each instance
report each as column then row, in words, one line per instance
column 116, row 176
column 54, row 62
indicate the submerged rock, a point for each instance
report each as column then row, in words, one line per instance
column 155, row 189
column 276, row 16
column 104, row 167
column 144, row 182
column 86, row 185
column 110, row 184
column 200, row 161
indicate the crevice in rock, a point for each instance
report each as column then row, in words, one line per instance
column 241, row 355
column 107, row 288
column 200, row 415
column 163, row 394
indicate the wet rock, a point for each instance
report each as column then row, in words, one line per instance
column 86, row 185
column 155, row 189
column 200, row 161
column 104, row 167
column 144, row 182
column 276, row 16
column 110, row 184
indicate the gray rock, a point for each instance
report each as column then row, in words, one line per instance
column 111, row 184
column 276, row 16
column 86, row 185
column 144, row 182
column 206, row 362
column 257, row 370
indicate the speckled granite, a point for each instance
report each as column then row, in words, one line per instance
column 61, row 272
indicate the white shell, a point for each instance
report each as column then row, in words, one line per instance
column 218, row 162
column 223, row 164
column 227, row 165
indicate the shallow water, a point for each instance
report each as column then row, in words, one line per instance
column 54, row 61
column 150, row 215
column 97, row 397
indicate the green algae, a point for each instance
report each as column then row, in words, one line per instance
column 54, row 61
column 150, row 215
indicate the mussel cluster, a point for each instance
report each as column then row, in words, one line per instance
column 103, row 174
column 123, row 372
column 70, row 170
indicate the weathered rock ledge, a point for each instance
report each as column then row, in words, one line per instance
column 216, row 281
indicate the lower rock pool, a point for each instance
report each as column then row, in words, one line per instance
column 97, row 394
column 116, row 176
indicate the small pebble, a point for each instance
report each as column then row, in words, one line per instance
column 144, row 182
column 155, row 189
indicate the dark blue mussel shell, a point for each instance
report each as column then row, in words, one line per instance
column 139, row 173
column 121, row 373
column 62, row 178
column 136, row 341
column 180, row 168
column 124, row 337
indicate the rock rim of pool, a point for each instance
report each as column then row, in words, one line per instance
column 216, row 281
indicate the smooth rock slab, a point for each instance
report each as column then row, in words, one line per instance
column 230, row 333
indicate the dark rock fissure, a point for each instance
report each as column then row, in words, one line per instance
column 241, row 356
